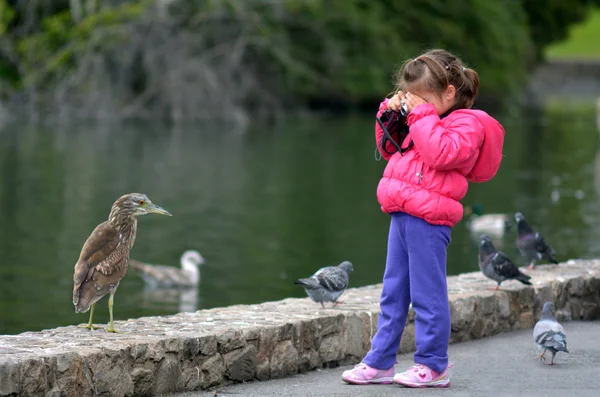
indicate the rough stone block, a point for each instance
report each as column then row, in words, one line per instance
column 230, row 340
column 212, row 371
column 143, row 381
column 240, row 364
column 330, row 349
column 308, row 360
column 284, row 360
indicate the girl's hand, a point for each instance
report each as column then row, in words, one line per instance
column 395, row 102
column 412, row 101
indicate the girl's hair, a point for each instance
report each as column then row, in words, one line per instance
column 435, row 70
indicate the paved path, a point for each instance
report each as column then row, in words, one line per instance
column 503, row 365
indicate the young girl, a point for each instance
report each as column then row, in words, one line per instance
column 448, row 145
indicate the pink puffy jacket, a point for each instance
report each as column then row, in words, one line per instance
column 428, row 180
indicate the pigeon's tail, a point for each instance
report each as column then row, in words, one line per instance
column 307, row 283
column 553, row 340
column 523, row 278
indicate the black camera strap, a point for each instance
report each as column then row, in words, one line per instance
column 397, row 123
column 394, row 120
column 387, row 137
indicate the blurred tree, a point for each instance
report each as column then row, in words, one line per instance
column 184, row 59
column 550, row 20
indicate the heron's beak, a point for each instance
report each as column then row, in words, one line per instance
column 155, row 209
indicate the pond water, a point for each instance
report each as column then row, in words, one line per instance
column 263, row 207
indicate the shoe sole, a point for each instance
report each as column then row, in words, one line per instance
column 380, row 381
column 439, row 383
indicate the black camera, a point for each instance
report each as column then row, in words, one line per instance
column 395, row 129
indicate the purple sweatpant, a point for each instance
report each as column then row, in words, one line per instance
column 415, row 272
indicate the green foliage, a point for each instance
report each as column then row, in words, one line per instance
column 582, row 40
column 7, row 14
column 549, row 20
column 52, row 51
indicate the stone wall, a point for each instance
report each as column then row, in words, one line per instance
column 201, row 350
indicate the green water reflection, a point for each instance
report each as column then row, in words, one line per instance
column 263, row 207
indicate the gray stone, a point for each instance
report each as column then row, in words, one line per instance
column 306, row 335
column 352, row 336
column 73, row 377
column 503, row 301
column 212, row 371
column 251, row 334
column 241, row 364
column 190, row 348
column 192, row 379
column 33, row 377
column 285, row 332
column 143, row 381
column 329, row 325
column 308, row 360
column 167, row 377
column 208, row 345
column 230, row 340
column 284, row 360
column 330, row 349
column 462, row 310
column 9, row 377
column 110, row 373
column 263, row 370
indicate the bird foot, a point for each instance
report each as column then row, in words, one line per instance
column 337, row 303
column 530, row 267
column 542, row 358
column 111, row 329
column 89, row 326
column 550, row 363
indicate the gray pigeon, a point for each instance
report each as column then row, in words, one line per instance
column 328, row 283
column 548, row 334
column 496, row 266
column 531, row 244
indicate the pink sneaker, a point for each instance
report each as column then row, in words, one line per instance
column 422, row 376
column 362, row 374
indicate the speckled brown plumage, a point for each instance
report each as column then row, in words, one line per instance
column 104, row 256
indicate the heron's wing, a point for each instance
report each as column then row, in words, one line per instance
column 99, row 253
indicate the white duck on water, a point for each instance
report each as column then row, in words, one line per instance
column 160, row 276
column 491, row 224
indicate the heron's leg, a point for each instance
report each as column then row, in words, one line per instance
column 110, row 312
column 90, row 325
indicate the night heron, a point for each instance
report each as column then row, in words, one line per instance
column 168, row 276
column 104, row 256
